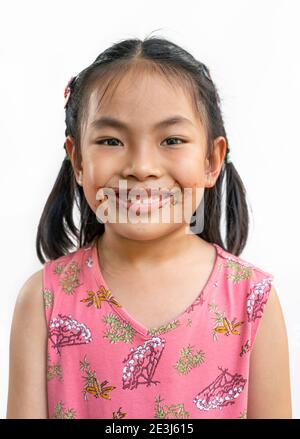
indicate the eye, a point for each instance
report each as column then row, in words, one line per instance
column 175, row 138
column 104, row 140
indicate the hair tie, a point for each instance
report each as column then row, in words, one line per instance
column 67, row 91
column 67, row 155
column 228, row 157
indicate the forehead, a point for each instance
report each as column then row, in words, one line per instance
column 141, row 100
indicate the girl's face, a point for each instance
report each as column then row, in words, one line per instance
column 143, row 153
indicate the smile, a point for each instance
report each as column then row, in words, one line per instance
column 146, row 204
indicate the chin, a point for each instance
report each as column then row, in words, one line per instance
column 143, row 231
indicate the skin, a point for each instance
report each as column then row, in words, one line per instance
column 143, row 157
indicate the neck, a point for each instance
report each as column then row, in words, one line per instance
column 120, row 253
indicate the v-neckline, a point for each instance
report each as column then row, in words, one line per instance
column 121, row 310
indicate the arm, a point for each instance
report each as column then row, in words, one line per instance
column 27, row 393
column 269, row 378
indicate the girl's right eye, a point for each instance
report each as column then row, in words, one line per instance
column 98, row 142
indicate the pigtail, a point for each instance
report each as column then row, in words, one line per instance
column 236, row 211
column 52, row 237
column 212, row 212
column 90, row 226
column 56, row 223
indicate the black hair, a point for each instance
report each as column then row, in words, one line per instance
column 174, row 62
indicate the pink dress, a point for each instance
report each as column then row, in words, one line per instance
column 102, row 363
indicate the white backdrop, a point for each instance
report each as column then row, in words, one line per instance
column 251, row 48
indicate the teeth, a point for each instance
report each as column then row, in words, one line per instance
column 145, row 201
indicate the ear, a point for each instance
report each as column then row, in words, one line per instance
column 213, row 168
column 70, row 147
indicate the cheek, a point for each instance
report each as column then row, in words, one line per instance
column 189, row 170
column 94, row 178
column 192, row 182
column 192, row 178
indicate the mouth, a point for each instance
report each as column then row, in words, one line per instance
column 148, row 201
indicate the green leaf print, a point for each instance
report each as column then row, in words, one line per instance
column 84, row 365
column 243, row 414
column 240, row 272
column 218, row 319
column 175, row 411
column 118, row 330
column 58, row 268
column 188, row 360
column 163, row 328
column 48, row 298
column 61, row 413
column 69, row 276
column 54, row 371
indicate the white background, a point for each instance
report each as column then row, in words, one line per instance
column 252, row 51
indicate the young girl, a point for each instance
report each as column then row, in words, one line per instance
column 146, row 319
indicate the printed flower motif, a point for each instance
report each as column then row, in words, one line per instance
column 221, row 392
column 119, row 414
column 198, row 301
column 92, row 386
column 89, row 262
column 100, row 296
column 245, row 348
column 141, row 363
column 257, row 298
column 65, row 331
column 222, row 324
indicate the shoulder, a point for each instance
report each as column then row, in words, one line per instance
column 240, row 272
column 27, row 353
column 28, row 316
column 29, row 306
column 269, row 355
column 230, row 258
column 63, row 263
column 30, row 292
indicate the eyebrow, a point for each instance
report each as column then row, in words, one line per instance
column 108, row 121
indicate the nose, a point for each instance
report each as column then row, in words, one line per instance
column 142, row 164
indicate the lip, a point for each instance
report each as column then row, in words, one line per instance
column 145, row 207
column 143, row 192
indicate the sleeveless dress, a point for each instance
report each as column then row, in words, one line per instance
column 102, row 363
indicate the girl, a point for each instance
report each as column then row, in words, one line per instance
column 146, row 319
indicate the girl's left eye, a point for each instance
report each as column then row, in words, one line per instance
column 175, row 138
column 113, row 138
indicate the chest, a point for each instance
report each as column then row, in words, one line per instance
column 155, row 299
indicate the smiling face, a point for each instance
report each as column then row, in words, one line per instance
column 123, row 139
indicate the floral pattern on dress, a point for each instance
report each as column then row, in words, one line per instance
column 102, row 364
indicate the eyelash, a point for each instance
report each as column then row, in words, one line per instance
column 113, row 138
